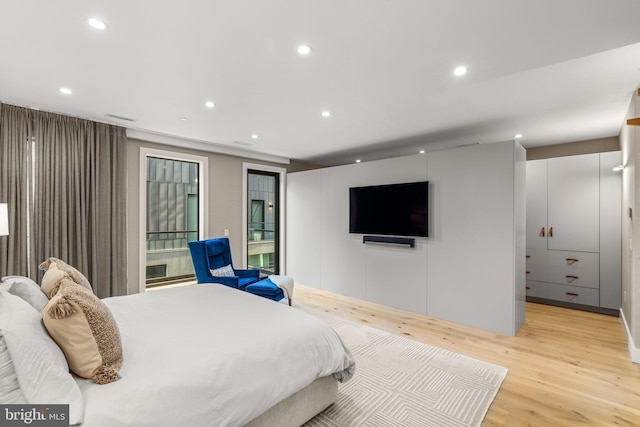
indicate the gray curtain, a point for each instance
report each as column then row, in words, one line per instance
column 68, row 176
column 79, row 199
column 15, row 143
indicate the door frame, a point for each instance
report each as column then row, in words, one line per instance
column 282, row 176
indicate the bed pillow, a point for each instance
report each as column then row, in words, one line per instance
column 10, row 392
column 52, row 280
column 225, row 271
column 36, row 361
column 26, row 289
column 74, row 274
column 86, row 331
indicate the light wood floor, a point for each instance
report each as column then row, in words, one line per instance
column 566, row 367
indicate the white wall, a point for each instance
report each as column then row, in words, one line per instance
column 471, row 260
column 629, row 140
column 471, row 269
column 394, row 275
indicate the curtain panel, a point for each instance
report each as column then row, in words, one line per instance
column 79, row 204
column 15, row 143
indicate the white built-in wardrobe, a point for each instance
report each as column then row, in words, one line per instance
column 574, row 231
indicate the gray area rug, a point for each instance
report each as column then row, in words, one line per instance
column 401, row 382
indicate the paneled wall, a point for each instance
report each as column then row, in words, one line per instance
column 471, row 268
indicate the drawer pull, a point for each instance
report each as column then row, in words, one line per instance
column 550, row 231
column 571, row 294
column 571, row 259
column 542, row 233
column 571, row 277
column 527, row 287
column 527, row 256
column 528, row 272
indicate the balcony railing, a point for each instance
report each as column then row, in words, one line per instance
column 261, row 247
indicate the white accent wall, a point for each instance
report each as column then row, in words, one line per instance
column 471, row 268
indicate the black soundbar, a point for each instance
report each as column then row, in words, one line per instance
column 406, row 241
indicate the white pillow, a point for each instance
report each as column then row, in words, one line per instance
column 225, row 271
column 10, row 392
column 40, row 366
column 26, row 289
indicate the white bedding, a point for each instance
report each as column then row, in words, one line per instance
column 209, row 355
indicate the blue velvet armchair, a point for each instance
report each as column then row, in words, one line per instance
column 211, row 254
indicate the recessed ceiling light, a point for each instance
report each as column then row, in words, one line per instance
column 326, row 114
column 65, row 90
column 254, row 136
column 304, row 50
column 358, row 160
column 209, row 104
column 517, row 136
column 460, row 71
column 97, row 23
column 182, row 119
column 421, row 151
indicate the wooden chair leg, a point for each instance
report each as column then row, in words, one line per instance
column 289, row 302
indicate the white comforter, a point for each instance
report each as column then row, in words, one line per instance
column 209, row 355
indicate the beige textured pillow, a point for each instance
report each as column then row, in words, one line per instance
column 52, row 280
column 85, row 330
column 74, row 274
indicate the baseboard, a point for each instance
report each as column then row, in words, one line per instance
column 564, row 304
column 634, row 351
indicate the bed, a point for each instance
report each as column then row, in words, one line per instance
column 208, row 355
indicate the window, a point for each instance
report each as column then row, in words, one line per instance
column 173, row 210
column 172, row 206
column 257, row 225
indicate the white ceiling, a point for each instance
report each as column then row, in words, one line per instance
column 553, row 70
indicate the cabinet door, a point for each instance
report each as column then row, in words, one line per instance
column 610, row 231
column 573, row 197
column 536, row 204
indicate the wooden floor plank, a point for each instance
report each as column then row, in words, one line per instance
column 566, row 367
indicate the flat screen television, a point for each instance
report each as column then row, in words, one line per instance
column 394, row 209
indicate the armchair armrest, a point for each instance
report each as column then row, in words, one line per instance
column 252, row 272
column 247, row 277
column 231, row 281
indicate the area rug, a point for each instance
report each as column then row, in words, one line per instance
column 401, row 382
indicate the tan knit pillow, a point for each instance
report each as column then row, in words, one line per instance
column 52, row 280
column 74, row 274
column 86, row 331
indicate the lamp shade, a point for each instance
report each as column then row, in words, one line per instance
column 4, row 220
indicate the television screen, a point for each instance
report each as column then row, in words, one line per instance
column 395, row 209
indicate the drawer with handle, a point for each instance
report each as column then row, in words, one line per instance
column 566, row 293
column 562, row 267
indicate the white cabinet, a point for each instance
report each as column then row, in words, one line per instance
column 573, row 203
column 563, row 203
column 537, row 204
column 573, row 230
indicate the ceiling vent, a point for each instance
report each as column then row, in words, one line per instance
column 246, row 144
column 467, row 145
column 115, row 116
